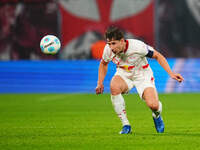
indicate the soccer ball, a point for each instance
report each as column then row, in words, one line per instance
column 50, row 44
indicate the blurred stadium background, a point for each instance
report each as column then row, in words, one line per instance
column 172, row 27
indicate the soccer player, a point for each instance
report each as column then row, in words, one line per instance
column 133, row 70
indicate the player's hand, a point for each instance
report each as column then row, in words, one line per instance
column 177, row 77
column 99, row 89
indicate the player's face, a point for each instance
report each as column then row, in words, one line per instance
column 117, row 46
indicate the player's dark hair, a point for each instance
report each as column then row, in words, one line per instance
column 114, row 33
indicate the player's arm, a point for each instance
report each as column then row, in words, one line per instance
column 163, row 62
column 103, row 67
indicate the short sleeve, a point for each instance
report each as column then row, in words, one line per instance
column 142, row 48
column 107, row 54
column 150, row 51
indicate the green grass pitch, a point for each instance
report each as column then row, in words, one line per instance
column 88, row 122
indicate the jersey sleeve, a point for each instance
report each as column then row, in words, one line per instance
column 150, row 51
column 144, row 49
column 107, row 54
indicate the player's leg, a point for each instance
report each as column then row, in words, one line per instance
column 151, row 98
column 117, row 87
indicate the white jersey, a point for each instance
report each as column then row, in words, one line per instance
column 133, row 59
column 132, row 65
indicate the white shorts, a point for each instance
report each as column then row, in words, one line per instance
column 141, row 81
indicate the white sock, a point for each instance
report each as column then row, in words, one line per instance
column 157, row 113
column 119, row 106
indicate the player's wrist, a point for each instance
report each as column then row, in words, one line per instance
column 99, row 83
column 171, row 74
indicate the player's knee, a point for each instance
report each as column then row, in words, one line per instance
column 153, row 105
column 115, row 89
